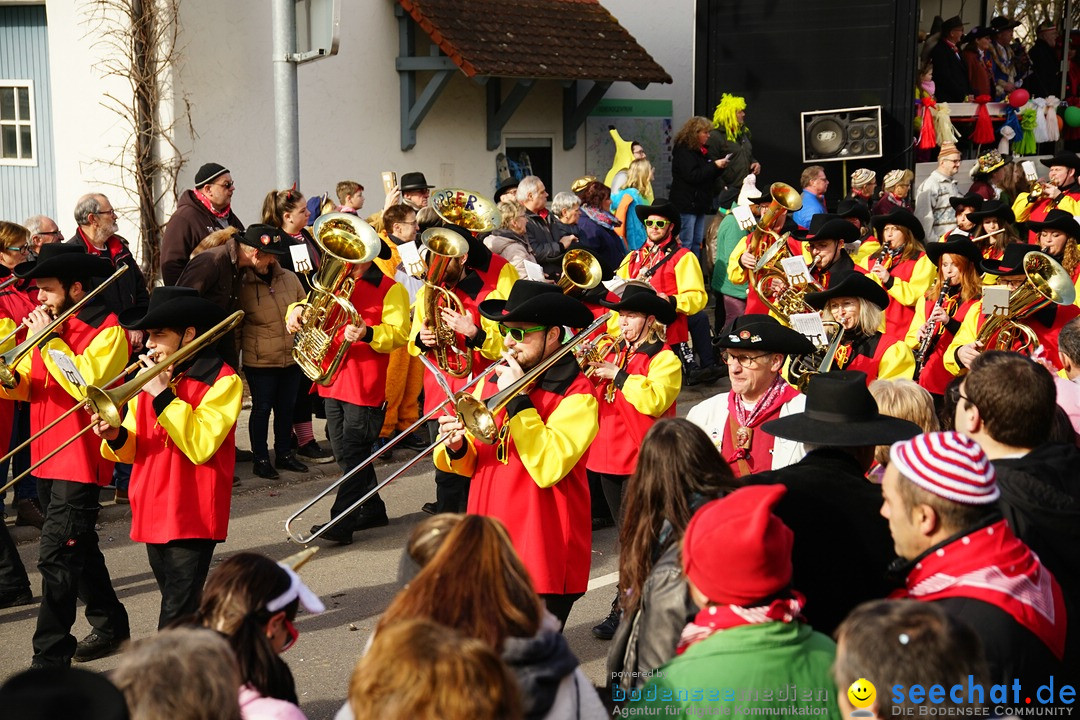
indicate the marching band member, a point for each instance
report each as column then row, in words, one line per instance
column 755, row 349
column 963, row 206
column 672, row 270
column 1060, row 191
column 901, row 267
column 355, row 398
column 740, row 259
column 71, row 564
column 995, row 215
column 472, row 334
column 943, row 307
column 1058, row 235
column 1046, row 323
column 830, row 262
column 533, row 478
column 179, row 435
column 869, row 241
column 858, row 304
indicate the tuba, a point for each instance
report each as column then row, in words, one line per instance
column 1047, row 282
column 580, row 272
column 470, row 210
column 346, row 241
column 443, row 247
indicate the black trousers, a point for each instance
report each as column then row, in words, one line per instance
column 451, row 489
column 561, row 605
column 353, row 429
column 614, row 490
column 180, row 568
column 72, row 568
column 13, row 578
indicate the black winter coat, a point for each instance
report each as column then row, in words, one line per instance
column 950, row 74
column 692, row 176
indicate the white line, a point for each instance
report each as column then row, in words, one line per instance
column 604, row 580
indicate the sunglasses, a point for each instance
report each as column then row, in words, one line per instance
column 293, row 633
column 518, row 334
column 661, row 224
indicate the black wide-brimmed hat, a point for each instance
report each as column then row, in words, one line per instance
column 1057, row 220
column 993, row 209
column 414, row 181
column 639, row 297
column 1003, row 23
column 537, row 302
column 816, row 223
column 955, row 244
column 971, row 200
column 851, row 208
column 980, row 31
column 951, row 24
column 853, row 285
column 1063, row 159
column 841, row 412
column 1011, row 262
column 663, row 208
column 763, row 332
column 60, row 260
column 832, row 228
column 506, row 185
column 902, row 218
column 61, row 692
column 173, row 306
column 266, row 238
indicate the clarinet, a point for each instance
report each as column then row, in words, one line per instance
column 923, row 353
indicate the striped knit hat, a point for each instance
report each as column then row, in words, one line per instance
column 949, row 465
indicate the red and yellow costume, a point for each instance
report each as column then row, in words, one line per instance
column 878, row 355
column 1027, row 211
column 1047, row 333
column 934, row 376
column 908, row 282
column 674, row 271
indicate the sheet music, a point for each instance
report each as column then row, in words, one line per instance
column 995, row 300
column 410, row 258
column 796, row 270
column 301, row 258
column 810, row 325
column 67, row 367
column 533, row 271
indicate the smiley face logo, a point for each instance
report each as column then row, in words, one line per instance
column 862, row 693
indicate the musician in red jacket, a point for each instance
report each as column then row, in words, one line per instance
column 179, row 435
column 71, row 564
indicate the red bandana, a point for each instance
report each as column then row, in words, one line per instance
column 223, row 214
column 715, row 618
column 992, row 565
column 769, row 404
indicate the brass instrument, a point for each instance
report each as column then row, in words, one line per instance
column 107, row 404
column 580, row 272
column 443, row 247
column 923, row 352
column 346, row 241
column 789, row 301
column 11, row 358
column 1047, row 282
column 466, row 208
column 594, row 351
column 802, row 367
column 785, row 199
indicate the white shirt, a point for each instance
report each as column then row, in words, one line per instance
column 712, row 416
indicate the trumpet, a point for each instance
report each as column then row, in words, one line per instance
column 580, row 272
column 443, row 247
column 107, row 404
column 594, row 351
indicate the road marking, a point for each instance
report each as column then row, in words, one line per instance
column 603, row 581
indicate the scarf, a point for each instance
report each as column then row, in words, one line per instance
column 223, row 214
column 769, row 403
column 601, row 218
column 715, row 618
column 992, row 565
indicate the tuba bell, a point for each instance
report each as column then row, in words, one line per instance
column 346, row 241
column 443, row 246
column 802, row 367
column 1047, row 283
column 580, row 272
column 466, row 208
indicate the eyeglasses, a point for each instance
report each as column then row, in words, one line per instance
column 227, row 185
column 293, row 635
column 51, row 232
column 110, row 211
column 17, row 248
column 518, row 334
column 659, row 224
column 747, row 361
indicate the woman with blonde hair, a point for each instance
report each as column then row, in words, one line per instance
column 902, row 399
column 692, row 176
column 508, row 241
column 639, row 178
column 1058, row 235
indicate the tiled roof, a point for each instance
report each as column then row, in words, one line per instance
column 550, row 39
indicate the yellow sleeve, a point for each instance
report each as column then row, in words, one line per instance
column 1022, row 207
column 654, row 393
column 968, row 332
column 507, row 277
column 389, row 334
column 199, row 431
column 907, row 292
column 22, row 368
column 623, row 270
column 912, row 337
column 465, row 465
column 103, row 360
column 126, row 453
column 418, row 316
column 550, row 450
column 736, row 273
column 865, row 251
column 493, row 340
column 691, row 296
column 897, row 362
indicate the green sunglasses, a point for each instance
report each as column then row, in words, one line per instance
column 519, row 333
column 657, row 223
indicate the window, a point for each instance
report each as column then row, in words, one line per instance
column 17, row 142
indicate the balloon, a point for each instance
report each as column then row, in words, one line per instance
column 1018, row 98
column 1072, row 116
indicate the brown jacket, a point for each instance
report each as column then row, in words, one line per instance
column 213, row 270
column 263, row 338
column 186, row 228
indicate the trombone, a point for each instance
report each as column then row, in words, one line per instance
column 477, row 415
column 107, row 404
column 581, row 272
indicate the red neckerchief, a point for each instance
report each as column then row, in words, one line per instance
column 223, row 214
column 715, row 618
column 769, row 403
column 648, row 257
column 113, row 246
column 992, row 565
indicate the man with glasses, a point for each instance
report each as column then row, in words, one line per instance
column 755, row 347
column 533, row 477
column 200, row 212
column 932, row 205
column 43, row 230
column 1060, row 191
column 814, row 184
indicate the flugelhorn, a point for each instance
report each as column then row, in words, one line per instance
column 466, row 208
column 107, row 404
column 346, row 241
column 580, row 272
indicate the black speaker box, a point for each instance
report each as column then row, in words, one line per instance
column 844, row 134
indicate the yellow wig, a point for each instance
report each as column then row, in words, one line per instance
column 726, row 114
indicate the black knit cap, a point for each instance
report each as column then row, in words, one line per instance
column 208, row 172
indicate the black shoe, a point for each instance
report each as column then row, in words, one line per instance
column 606, row 629
column 366, row 522
column 704, row 376
column 289, row 462
column 95, row 646
column 264, row 469
column 312, row 453
column 336, row 534
column 15, row 598
column 416, row 441
column 28, row 513
column 430, row 508
column 244, row 455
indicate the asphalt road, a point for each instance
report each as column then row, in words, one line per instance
column 356, row 582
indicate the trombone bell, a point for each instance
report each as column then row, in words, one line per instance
column 581, row 272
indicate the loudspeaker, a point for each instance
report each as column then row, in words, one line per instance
column 844, row 134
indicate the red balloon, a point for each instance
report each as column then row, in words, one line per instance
column 1018, row 98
